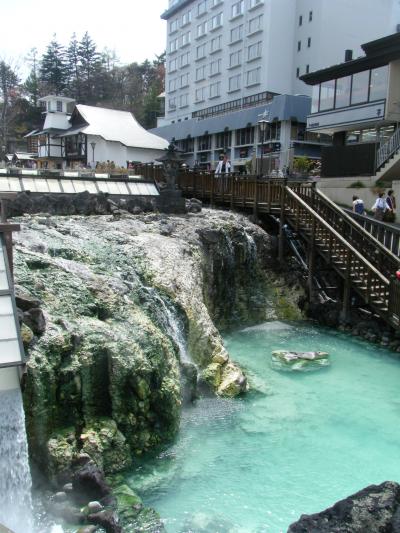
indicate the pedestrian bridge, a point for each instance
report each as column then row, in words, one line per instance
column 363, row 260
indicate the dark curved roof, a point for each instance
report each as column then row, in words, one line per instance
column 378, row 53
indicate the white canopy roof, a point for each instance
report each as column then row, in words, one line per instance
column 120, row 126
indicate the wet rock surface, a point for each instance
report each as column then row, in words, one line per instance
column 374, row 509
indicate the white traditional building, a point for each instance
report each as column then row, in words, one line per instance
column 74, row 135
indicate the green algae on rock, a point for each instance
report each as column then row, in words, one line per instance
column 105, row 371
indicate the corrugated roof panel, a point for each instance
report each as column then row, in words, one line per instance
column 41, row 185
column 3, row 273
column 68, row 186
column 14, row 184
column 54, row 186
column 29, row 184
column 4, row 185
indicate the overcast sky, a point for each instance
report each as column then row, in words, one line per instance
column 132, row 28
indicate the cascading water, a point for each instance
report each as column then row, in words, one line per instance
column 167, row 316
column 15, row 477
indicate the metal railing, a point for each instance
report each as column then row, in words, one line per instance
column 388, row 149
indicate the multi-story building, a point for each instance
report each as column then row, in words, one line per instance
column 224, row 56
column 358, row 102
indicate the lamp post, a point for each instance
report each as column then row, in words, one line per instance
column 93, row 145
column 263, row 123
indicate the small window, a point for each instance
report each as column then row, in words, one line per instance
column 301, row 20
column 59, row 106
column 307, row 69
column 297, row 72
column 309, row 42
column 298, row 46
column 310, row 16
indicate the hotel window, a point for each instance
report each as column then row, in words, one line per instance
column 173, row 45
column 245, row 136
column 297, row 72
column 215, row 67
column 204, row 142
column 184, row 100
column 327, row 95
column 359, row 91
column 201, row 73
column 254, row 3
column 216, row 21
column 202, row 29
column 315, row 99
column 201, row 51
column 237, row 8
column 301, row 20
column 215, row 89
column 172, row 103
column 234, row 82
column 173, row 26
column 309, row 42
column 202, row 7
column 254, row 51
column 379, row 83
column 59, row 106
column 184, row 60
column 255, row 24
column 172, row 65
column 298, row 46
column 253, row 76
column 343, row 86
column 223, row 139
column 186, row 18
column 184, row 80
column 185, row 38
column 235, row 58
column 216, row 44
column 201, row 94
column 172, row 85
column 310, row 16
column 237, row 33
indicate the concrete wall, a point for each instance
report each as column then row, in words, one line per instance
column 338, row 190
column 117, row 152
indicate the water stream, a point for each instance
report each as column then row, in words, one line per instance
column 15, row 478
column 294, row 445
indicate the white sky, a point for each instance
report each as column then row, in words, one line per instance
column 132, row 28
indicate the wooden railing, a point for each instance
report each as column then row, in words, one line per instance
column 364, row 262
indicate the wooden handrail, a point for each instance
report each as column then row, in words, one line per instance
column 346, row 244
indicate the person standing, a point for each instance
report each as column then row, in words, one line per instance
column 391, row 201
column 380, row 206
column 224, row 166
column 358, row 206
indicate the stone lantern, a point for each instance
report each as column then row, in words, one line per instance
column 170, row 199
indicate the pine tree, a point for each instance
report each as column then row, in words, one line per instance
column 31, row 84
column 89, row 68
column 73, row 59
column 8, row 89
column 53, row 68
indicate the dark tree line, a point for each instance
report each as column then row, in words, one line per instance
column 80, row 71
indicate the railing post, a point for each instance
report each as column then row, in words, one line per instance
column 255, row 205
column 231, row 179
column 212, row 190
column 311, row 261
column 281, row 243
column 347, row 288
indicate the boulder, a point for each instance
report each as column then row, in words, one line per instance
column 34, row 319
column 89, row 482
column 106, row 520
column 371, row 510
column 233, row 381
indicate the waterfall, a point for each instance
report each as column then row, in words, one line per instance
column 173, row 325
column 15, row 477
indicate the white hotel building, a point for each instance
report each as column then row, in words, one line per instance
column 227, row 56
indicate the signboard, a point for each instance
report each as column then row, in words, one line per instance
column 11, row 348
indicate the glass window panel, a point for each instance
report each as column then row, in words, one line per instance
column 4, row 184
column 6, row 307
column 379, row 83
column 41, row 185
column 113, row 187
column 9, row 352
column 359, row 91
column 315, row 99
column 7, row 327
column 343, row 86
column 327, row 95
column 29, row 184
column 103, row 186
column 368, row 135
column 90, row 186
column 79, row 186
column 134, row 188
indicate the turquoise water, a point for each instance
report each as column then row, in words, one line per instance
column 295, row 445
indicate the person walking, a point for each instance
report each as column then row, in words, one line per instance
column 380, row 207
column 358, row 206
